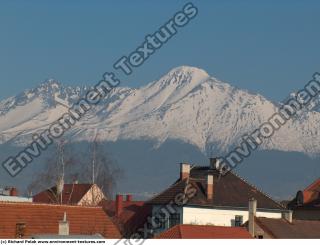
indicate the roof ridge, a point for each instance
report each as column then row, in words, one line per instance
column 48, row 204
column 258, row 189
column 210, row 225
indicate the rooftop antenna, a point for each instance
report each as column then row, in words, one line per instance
column 60, row 184
column 94, row 156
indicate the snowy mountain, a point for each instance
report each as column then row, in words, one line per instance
column 186, row 104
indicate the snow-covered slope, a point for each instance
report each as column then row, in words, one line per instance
column 186, row 104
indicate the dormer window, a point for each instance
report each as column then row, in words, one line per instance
column 20, row 230
column 238, row 220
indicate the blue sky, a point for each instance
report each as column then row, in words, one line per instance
column 269, row 47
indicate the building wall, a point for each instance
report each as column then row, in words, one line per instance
column 14, row 199
column 93, row 197
column 219, row 217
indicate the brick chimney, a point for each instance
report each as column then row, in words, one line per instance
column 210, row 187
column 252, row 215
column 184, row 170
column 13, row 192
column 287, row 215
column 129, row 198
column 119, row 204
column 64, row 226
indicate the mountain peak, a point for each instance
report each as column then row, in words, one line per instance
column 183, row 76
column 189, row 70
column 50, row 83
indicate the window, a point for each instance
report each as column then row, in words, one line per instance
column 162, row 221
column 174, row 220
column 20, row 230
column 238, row 220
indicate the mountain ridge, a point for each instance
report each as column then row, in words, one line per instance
column 185, row 104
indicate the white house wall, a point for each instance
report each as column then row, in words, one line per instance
column 220, row 217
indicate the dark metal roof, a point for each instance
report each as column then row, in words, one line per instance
column 230, row 190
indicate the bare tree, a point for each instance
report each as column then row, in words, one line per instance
column 54, row 174
column 68, row 164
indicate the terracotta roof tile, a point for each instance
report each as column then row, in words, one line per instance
column 44, row 219
column 204, row 232
column 311, row 193
column 311, row 197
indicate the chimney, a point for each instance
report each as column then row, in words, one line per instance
column 129, row 198
column 64, row 226
column 184, row 170
column 252, row 214
column 287, row 216
column 13, row 192
column 216, row 163
column 119, row 204
column 209, row 187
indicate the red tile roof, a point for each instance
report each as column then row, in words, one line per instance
column 310, row 197
column 72, row 194
column 44, row 219
column 230, row 190
column 132, row 217
column 311, row 193
column 204, row 232
column 280, row 228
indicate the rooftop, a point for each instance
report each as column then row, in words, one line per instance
column 43, row 219
column 281, row 228
column 204, row 232
column 229, row 190
column 309, row 198
column 71, row 194
column 132, row 217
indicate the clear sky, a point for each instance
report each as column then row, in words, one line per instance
column 269, row 47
